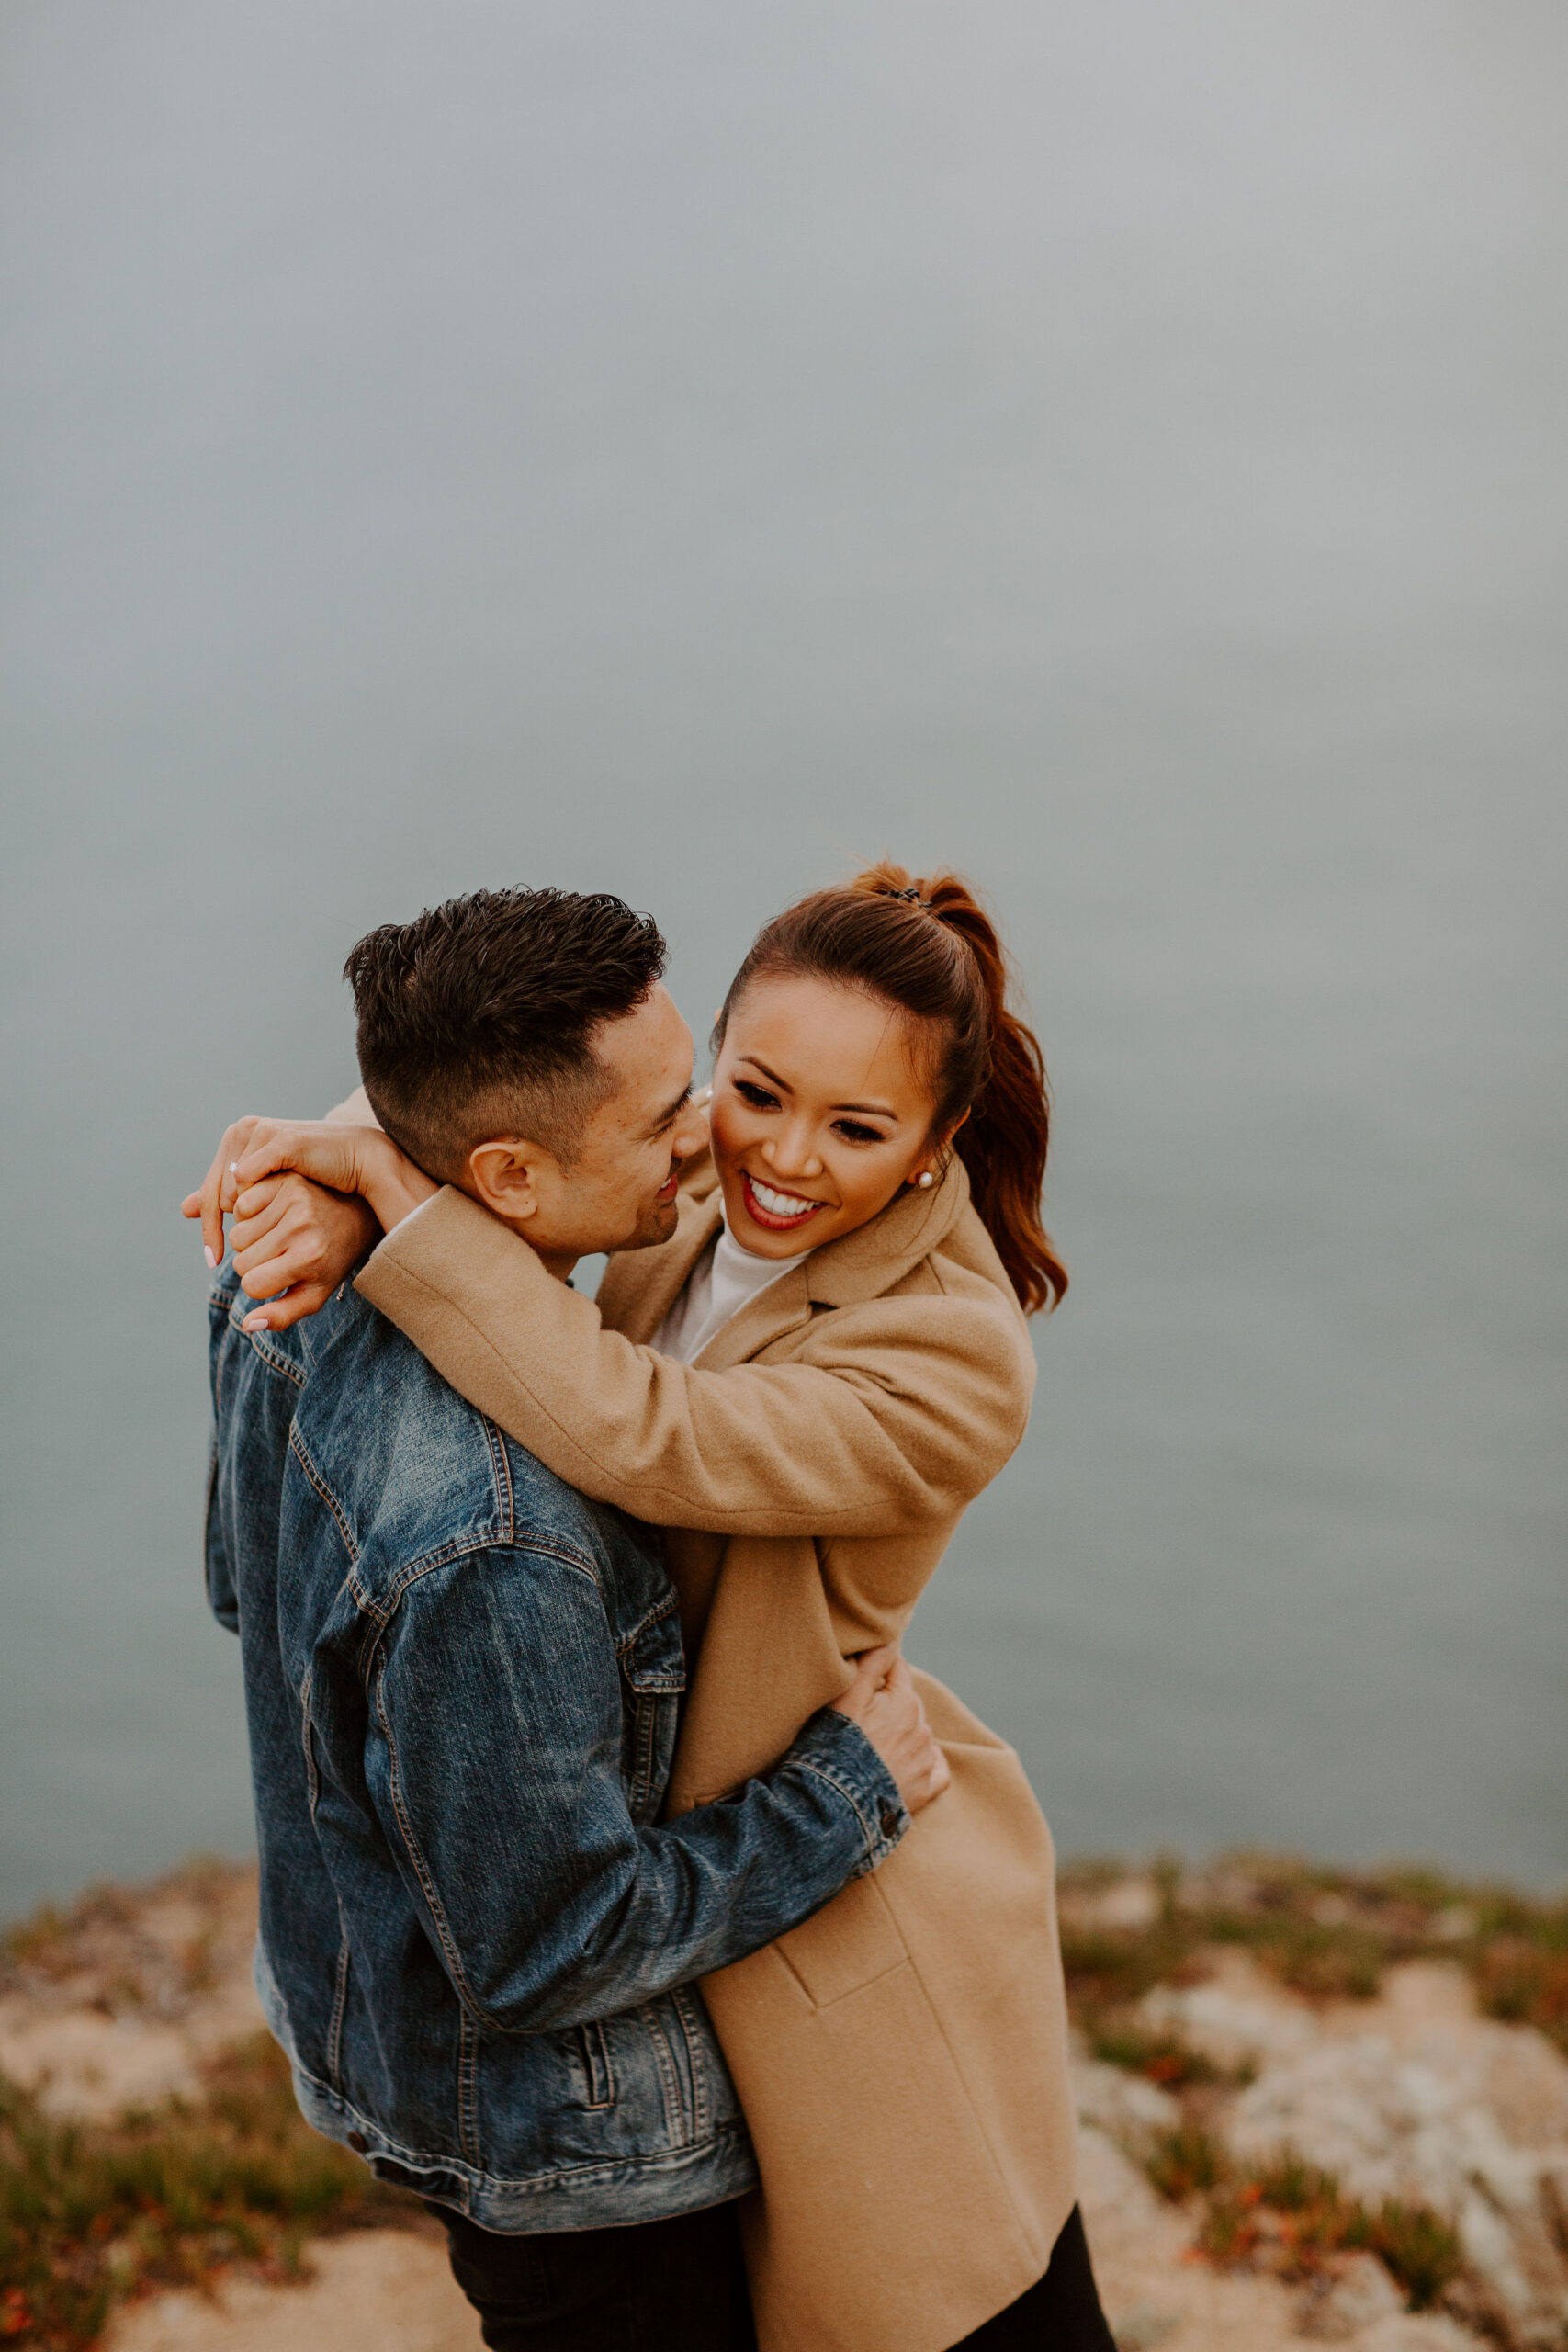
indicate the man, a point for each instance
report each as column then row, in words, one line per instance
column 477, row 1944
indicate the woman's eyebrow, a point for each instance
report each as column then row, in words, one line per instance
column 772, row 1076
column 877, row 1110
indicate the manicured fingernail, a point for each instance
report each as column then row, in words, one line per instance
column 212, row 1261
column 253, row 1323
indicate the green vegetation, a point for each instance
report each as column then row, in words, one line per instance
column 92, row 2213
column 1163, row 2058
column 1289, row 2215
column 1327, row 1933
column 1187, row 2163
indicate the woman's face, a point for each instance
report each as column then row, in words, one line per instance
column 820, row 1114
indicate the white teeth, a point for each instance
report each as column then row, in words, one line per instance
column 780, row 1204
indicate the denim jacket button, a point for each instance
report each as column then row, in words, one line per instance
column 890, row 1824
column 359, row 2143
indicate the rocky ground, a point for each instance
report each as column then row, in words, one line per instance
column 1299, row 2120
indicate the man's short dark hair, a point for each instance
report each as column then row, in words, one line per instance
column 477, row 1019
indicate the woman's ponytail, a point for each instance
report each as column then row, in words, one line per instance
column 930, row 948
column 1006, row 1136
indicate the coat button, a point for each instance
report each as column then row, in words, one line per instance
column 359, row 2143
column 890, row 1825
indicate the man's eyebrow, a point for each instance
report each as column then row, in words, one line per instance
column 878, row 1110
column 671, row 1110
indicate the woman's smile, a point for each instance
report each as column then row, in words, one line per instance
column 779, row 1211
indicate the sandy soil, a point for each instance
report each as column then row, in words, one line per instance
column 381, row 2291
column 1412, row 2088
column 378, row 2290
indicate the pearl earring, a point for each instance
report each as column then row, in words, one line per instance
column 925, row 1180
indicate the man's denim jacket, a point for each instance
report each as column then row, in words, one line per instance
column 462, row 1679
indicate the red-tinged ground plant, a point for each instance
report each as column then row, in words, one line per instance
column 93, row 2213
column 1291, row 2217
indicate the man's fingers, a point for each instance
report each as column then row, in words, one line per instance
column 254, row 1198
column 260, row 1215
column 269, row 1271
column 307, row 1298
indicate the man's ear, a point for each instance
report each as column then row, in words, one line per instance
column 503, row 1175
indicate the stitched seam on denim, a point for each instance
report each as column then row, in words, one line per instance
column 669, row 2081
column 566, row 2176
column 504, row 1498
column 656, row 1616
column 815, row 1761
column 825, row 1773
column 340, row 2004
column 645, row 1721
column 375, row 1633
column 682, row 2000
column 312, row 1784
column 211, row 1498
column 269, row 1356
column 467, row 2085
column 457, row 1547
column 421, row 1869
column 340, row 1520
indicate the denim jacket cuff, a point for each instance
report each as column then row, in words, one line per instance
column 839, row 1752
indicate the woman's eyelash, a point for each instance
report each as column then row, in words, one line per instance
column 760, row 1099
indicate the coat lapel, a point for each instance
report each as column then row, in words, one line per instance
column 782, row 1306
column 874, row 1258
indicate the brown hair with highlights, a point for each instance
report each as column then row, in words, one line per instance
column 929, row 949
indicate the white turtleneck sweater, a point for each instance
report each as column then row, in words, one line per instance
column 724, row 1278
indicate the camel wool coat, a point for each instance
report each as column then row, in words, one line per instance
column 901, row 2057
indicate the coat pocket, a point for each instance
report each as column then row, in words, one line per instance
column 850, row 1942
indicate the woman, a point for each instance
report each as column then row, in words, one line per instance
column 805, row 1387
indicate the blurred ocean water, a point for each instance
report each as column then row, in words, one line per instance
column 1117, row 451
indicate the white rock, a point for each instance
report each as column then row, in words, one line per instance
column 1362, row 2297
column 1131, row 2110
column 1132, row 1903
column 1414, row 2096
column 1417, row 2332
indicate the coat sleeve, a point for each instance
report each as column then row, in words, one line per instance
column 896, row 1414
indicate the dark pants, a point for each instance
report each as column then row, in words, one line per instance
column 680, row 2286
column 676, row 2286
column 1060, row 2313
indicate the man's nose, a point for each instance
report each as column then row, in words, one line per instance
column 793, row 1152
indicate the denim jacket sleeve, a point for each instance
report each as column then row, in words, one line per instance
column 494, row 1758
column 221, row 1596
